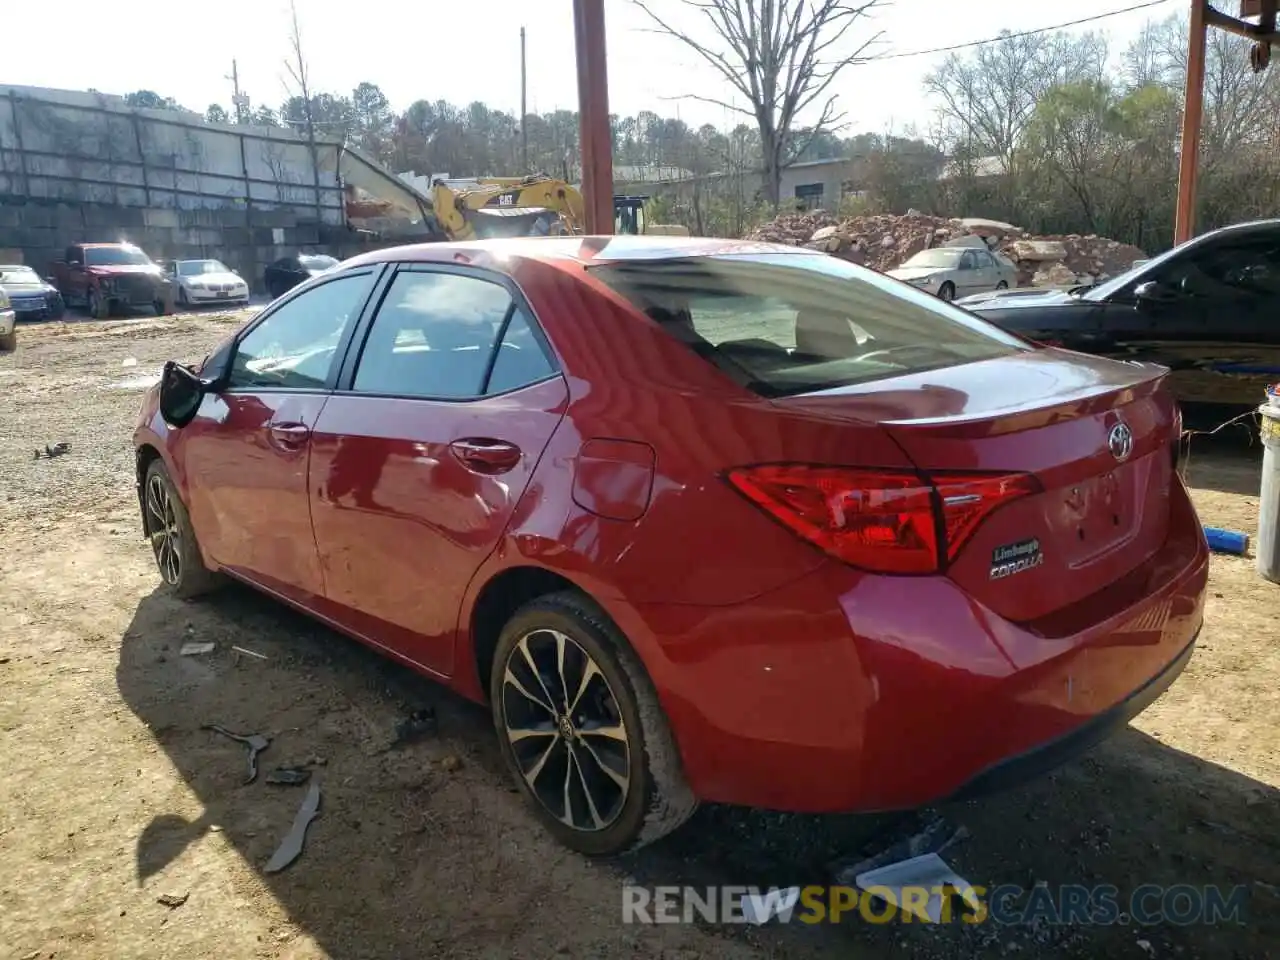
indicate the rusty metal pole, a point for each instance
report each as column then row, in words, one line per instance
column 593, row 116
column 1192, row 113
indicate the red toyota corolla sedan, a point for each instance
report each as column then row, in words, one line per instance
column 702, row 520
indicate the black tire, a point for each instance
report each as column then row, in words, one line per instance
column 947, row 291
column 1002, row 285
column 99, row 308
column 173, row 540
column 656, row 799
column 9, row 342
column 161, row 308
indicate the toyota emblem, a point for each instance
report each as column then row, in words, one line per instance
column 1120, row 441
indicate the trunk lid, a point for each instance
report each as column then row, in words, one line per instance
column 1097, row 434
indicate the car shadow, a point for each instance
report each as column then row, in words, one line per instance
column 416, row 833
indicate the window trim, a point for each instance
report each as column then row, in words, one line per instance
column 345, row 380
column 378, row 272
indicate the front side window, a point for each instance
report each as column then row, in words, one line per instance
column 1236, row 272
column 783, row 324
column 294, row 347
column 434, row 337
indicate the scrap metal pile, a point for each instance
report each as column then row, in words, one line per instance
column 884, row 241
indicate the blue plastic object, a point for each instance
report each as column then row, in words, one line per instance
column 1226, row 541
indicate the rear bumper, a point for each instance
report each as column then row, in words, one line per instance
column 845, row 691
column 1047, row 756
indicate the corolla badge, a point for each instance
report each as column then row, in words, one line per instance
column 1120, row 441
column 1014, row 558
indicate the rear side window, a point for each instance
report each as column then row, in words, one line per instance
column 783, row 324
column 449, row 336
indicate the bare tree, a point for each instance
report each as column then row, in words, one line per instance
column 298, row 72
column 987, row 98
column 781, row 56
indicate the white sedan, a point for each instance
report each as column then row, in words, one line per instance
column 207, row 281
column 951, row 272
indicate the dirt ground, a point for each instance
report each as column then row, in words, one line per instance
column 112, row 795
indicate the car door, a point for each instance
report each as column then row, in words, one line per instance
column 968, row 276
column 1218, row 327
column 421, row 455
column 1168, row 325
column 77, row 282
column 988, row 272
column 245, row 454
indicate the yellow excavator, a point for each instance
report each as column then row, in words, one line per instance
column 528, row 206
column 506, row 207
column 629, row 217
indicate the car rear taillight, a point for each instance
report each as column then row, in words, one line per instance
column 887, row 521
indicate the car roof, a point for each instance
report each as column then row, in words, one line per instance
column 584, row 250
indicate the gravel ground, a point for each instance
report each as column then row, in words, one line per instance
column 113, row 796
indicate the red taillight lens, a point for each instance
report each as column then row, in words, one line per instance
column 968, row 499
column 887, row 521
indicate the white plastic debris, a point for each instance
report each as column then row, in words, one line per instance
column 1146, row 947
column 130, row 362
column 929, row 872
column 195, row 649
column 760, row 908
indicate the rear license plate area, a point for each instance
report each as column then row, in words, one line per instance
column 1098, row 513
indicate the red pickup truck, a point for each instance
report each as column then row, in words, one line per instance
column 102, row 277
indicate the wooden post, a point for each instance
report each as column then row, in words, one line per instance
column 1192, row 114
column 593, row 116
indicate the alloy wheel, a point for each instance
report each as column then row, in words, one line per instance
column 565, row 728
column 162, row 528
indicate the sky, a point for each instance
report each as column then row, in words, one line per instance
column 433, row 50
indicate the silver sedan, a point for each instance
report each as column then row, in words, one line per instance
column 951, row 272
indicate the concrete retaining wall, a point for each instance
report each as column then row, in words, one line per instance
column 74, row 146
column 245, row 240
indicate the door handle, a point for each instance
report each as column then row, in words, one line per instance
column 486, row 456
column 289, row 434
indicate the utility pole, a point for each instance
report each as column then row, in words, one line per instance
column 239, row 101
column 524, row 113
column 594, row 140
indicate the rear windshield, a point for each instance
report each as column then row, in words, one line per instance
column 782, row 324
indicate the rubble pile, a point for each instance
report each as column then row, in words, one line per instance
column 884, row 241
